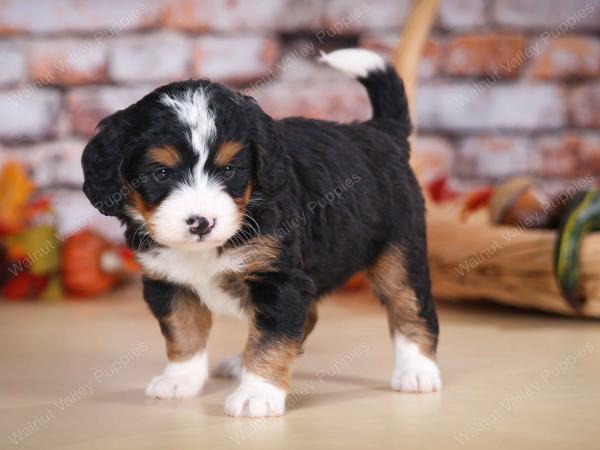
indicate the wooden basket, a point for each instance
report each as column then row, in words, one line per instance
column 475, row 260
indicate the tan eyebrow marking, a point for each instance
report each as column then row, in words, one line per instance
column 226, row 152
column 165, row 156
column 142, row 207
column 242, row 201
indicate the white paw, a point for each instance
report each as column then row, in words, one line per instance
column 414, row 371
column 230, row 367
column 417, row 374
column 180, row 379
column 165, row 386
column 255, row 397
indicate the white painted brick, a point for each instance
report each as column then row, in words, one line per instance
column 584, row 105
column 350, row 16
column 75, row 213
column 459, row 14
column 56, row 163
column 343, row 100
column 243, row 15
column 463, row 107
column 88, row 105
column 13, row 63
column 558, row 16
column 28, row 113
column 494, row 156
column 248, row 58
column 59, row 16
column 67, row 61
column 432, row 157
column 156, row 57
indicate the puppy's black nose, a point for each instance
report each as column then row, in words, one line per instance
column 199, row 225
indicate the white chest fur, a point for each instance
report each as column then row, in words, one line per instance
column 200, row 271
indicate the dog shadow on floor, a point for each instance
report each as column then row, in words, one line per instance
column 136, row 397
column 306, row 386
column 307, row 392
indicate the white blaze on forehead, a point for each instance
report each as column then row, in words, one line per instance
column 201, row 194
column 192, row 109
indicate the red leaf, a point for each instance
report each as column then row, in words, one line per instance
column 440, row 191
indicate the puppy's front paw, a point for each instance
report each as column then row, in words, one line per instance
column 168, row 386
column 255, row 397
column 180, row 379
column 417, row 374
column 230, row 367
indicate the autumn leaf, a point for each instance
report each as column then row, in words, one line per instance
column 15, row 191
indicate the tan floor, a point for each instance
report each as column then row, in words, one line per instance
column 512, row 380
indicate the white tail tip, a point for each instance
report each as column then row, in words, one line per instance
column 354, row 61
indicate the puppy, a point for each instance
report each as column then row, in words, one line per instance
column 230, row 211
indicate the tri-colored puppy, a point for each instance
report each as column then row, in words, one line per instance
column 230, row 211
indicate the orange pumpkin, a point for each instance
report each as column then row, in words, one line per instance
column 84, row 272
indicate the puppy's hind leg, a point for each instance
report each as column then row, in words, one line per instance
column 229, row 367
column 405, row 291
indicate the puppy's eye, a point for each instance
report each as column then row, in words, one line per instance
column 162, row 174
column 227, row 172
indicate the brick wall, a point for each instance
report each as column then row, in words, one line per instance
column 507, row 86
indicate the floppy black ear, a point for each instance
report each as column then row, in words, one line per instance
column 272, row 158
column 101, row 162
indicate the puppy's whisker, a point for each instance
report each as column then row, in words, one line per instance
column 249, row 225
column 137, row 231
column 255, row 222
column 247, row 235
column 241, row 239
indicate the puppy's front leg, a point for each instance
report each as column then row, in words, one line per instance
column 185, row 323
column 274, row 343
column 265, row 376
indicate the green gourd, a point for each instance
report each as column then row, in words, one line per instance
column 582, row 215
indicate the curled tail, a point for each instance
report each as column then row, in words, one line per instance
column 384, row 86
